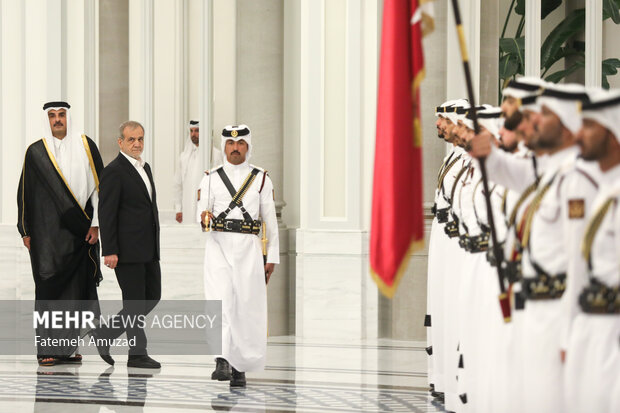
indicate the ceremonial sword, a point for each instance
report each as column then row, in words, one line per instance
column 504, row 300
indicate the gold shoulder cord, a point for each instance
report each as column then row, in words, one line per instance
column 96, row 178
column 528, row 191
column 53, row 159
column 456, row 181
column 593, row 226
column 443, row 165
column 504, row 198
column 532, row 210
column 244, row 188
column 445, row 172
column 473, row 198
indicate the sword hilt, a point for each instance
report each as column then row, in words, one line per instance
column 264, row 241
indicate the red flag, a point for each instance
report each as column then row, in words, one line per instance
column 397, row 227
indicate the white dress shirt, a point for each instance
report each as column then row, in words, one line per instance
column 139, row 165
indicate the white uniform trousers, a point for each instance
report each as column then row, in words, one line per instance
column 592, row 363
column 542, row 365
column 234, row 273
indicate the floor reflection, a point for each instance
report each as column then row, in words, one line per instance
column 308, row 377
column 64, row 385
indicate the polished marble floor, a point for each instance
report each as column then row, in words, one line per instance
column 301, row 376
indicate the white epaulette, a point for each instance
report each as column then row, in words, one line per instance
column 213, row 170
column 258, row 167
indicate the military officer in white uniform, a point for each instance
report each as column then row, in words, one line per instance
column 436, row 254
column 592, row 298
column 520, row 109
column 452, row 267
column 552, row 225
column 234, row 199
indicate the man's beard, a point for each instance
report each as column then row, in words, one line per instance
column 513, row 121
column 510, row 148
column 441, row 135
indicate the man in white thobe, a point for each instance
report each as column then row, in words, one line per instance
column 551, row 229
column 436, row 254
column 592, row 305
column 57, row 218
column 189, row 174
column 238, row 264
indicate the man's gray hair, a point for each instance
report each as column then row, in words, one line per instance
column 128, row 124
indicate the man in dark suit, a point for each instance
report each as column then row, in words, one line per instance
column 129, row 223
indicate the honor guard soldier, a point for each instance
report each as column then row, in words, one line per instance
column 592, row 298
column 548, row 231
column 486, row 317
column 452, row 267
column 552, row 228
column 520, row 111
column 436, row 258
column 234, row 199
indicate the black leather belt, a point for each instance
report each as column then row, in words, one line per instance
column 475, row 244
column 451, row 229
column 544, row 287
column 236, row 225
column 479, row 243
column 512, row 269
column 442, row 215
column 464, row 242
column 492, row 260
column 598, row 298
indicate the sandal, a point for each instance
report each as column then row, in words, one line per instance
column 47, row 361
column 77, row 359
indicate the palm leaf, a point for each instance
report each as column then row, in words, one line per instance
column 508, row 66
column 546, row 7
column 563, row 52
column 611, row 8
column 573, row 24
column 514, row 47
column 561, row 74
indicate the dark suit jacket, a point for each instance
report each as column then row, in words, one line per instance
column 128, row 218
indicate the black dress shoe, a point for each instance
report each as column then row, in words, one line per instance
column 222, row 370
column 143, row 362
column 103, row 350
column 237, row 379
column 106, row 357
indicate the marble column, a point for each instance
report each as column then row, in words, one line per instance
column 259, row 104
column 158, row 92
column 330, row 80
column 113, row 82
column 43, row 58
column 141, row 81
column 489, row 52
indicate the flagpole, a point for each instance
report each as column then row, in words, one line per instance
column 497, row 250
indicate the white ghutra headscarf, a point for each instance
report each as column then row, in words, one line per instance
column 70, row 155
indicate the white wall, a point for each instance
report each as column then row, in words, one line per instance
column 331, row 76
